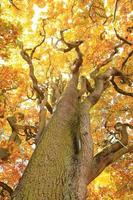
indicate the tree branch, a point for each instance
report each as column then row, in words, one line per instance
column 119, row 90
column 38, row 45
column 122, row 39
column 111, row 153
column 126, row 59
column 14, row 5
column 13, row 124
column 70, row 45
column 108, row 60
column 78, row 61
column 85, row 86
column 116, row 6
column 101, row 83
column 39, row 92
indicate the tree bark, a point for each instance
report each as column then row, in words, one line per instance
column 52, row 171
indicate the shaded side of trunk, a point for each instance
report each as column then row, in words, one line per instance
column 85, row 156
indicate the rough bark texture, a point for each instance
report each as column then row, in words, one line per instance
column 51, row 173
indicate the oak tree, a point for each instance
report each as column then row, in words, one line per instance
column 65, row 91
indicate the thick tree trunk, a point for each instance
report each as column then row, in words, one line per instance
column 52, row 171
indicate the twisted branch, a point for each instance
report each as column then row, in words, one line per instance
column 70, row 45
column 28, row 59
column 119, row 90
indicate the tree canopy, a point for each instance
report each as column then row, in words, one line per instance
column 37, row 42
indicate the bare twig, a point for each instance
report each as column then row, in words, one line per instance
column 13, row 4
column 119, row 90
column 122, row 39
column 115, row 10
column 126, row 59
column 6, row 187
column 108, row 60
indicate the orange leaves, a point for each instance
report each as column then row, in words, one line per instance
column 40, row 3
column 8, row 77
column 8, row 35
column 11, row 146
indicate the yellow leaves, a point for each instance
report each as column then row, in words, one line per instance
column 50, row 30
column 103, row 180
column 59, row 59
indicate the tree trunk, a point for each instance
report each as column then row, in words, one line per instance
column 53, row 170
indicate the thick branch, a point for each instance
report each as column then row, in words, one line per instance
column 78, row 61
column 85, row 86
column 29, row 131
column 101, row 83
column 14, row 136
column 111, row 153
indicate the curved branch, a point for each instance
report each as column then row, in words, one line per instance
column 119, row 90
column 85, row 86
column 108, row 60
column 78, row 61
column 126, row 59
column 70, row 45
column 101, row 83
column 39, row 92
column 122, row 39
column 28, row 59
column 38, row 45
column 111, row 153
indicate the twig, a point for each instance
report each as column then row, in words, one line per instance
column 13, row 4
column 115, row 10
column 119, row 90
column 122, row 39
column 127, row 58
column 70, row 45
